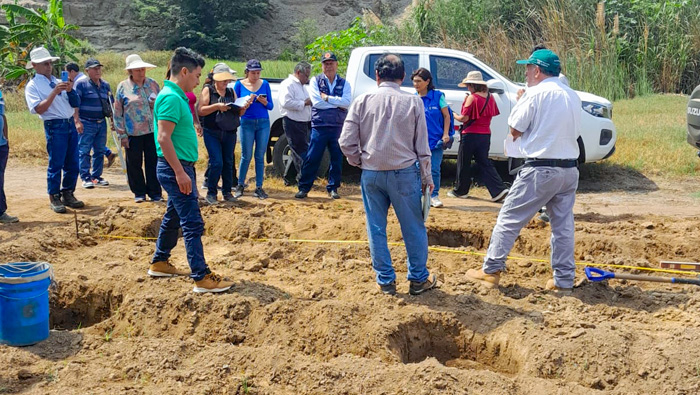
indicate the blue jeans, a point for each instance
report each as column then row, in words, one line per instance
column 94, row 138
column 183, row 212
column 220, row 145
column 435, row 162
column 62, row 147
column 4, row 153
column 322, row 138
column 401, row 189
column 253, row 131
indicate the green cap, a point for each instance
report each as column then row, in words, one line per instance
column 547, row 60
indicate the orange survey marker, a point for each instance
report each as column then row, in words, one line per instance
column 686, row 266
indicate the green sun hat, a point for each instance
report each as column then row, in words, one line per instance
column 547, row 60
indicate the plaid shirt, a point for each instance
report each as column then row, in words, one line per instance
column 133, row 115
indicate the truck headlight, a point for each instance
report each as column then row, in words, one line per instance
column 597, row 110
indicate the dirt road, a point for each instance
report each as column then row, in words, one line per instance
column 305, row 318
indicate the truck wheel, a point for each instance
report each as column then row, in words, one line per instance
column 281, row 156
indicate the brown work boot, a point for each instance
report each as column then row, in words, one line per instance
column 487, row 280
column 212, row 283
column 110, row 159
column 550, row 286
column 165, row 269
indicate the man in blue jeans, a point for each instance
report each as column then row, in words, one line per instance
column 4, row 153
column 53, row 100
column 386, row 135
column 91, row 122
column 176, row 147
column 330, row 97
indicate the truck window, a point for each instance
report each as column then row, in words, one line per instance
column 448, row 72
column 410, row 63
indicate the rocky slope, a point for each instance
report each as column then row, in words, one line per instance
column 112, row 25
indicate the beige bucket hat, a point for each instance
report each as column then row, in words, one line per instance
column 40, row 55
column 134, row 61
column 474, row 77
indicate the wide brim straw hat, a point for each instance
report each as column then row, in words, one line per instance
column 474, row 77
column 222, row 72
column 40, row 55
column 134, row 62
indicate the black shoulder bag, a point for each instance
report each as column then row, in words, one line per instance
column 471, row 121
column 228, row 121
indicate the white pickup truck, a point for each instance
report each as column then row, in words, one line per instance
column 449, row 67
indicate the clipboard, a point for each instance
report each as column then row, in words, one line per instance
column 425, row 202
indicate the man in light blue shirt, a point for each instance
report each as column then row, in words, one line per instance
column 4, row 153
column 53, row 101
column 330, row 97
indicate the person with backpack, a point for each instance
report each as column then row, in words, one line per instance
column 220, row 121
column 477, row 111
column 440, row 125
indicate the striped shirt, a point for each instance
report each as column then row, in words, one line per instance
column 90, row 106
column 386, row 130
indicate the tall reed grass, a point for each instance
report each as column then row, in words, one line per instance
column 616, row 49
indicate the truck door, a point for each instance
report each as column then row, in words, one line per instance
column 449, row 71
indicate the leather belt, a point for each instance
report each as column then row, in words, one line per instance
column 182, row 162
column 565, row 163
column 92, row 120
column 51, row 123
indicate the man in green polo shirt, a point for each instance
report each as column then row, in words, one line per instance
column 176, row 146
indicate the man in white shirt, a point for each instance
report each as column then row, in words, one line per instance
column 547, row 120
column 295, row 106
column 53, row 101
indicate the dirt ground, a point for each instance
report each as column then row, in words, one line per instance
column 306, row 318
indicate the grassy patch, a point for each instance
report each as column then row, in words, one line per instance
column 651, row 132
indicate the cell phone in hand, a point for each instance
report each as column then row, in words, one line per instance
column 64, row 76
column 263, row 95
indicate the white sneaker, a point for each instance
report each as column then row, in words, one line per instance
column 452, row 194
column 435, row 202
column 88, row 184
column 501, row 195
column 101, row 182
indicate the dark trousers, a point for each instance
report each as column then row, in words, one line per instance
column 322, row 138
column 183, row 212
column 62, row 147
column 298, row 138
column 220, row 145
column 476, row 146
column 142, row 149
column 4, row 154
column 233, row 169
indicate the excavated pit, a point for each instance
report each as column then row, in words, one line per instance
column 448, row 341
column 75, row 305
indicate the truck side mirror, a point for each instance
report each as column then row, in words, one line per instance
column 496, row 86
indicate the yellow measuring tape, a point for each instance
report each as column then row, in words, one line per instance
column 436, row 249
column 451, row 251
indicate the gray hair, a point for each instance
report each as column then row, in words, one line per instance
column 302, row 67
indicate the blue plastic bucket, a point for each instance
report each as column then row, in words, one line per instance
column 24, row 303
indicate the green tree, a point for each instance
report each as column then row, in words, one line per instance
column 28, row 28
column 210, row 27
